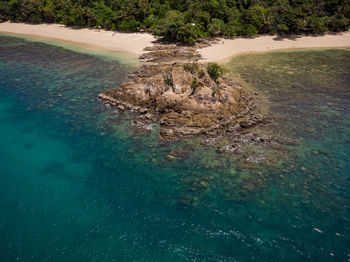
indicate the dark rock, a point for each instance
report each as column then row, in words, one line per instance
column 143, row 110
column 121, row 108
column 220, row 150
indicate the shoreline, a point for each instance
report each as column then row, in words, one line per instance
column 129, row 44
column 225, row 49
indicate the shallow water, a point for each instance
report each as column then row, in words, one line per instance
column 77, row 183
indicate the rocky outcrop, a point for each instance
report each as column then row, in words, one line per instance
column 186, row 98
column 165, row 53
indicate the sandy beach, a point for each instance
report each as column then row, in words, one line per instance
column 227, row 48
column 131, row 43
column 134, row 43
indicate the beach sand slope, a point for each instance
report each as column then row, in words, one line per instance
column 131, row 43
column 224, row 49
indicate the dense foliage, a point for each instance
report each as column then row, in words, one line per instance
column 187, row 20
column 215, row 71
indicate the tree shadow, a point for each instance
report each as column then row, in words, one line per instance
column 287, row 37
column 295, row 36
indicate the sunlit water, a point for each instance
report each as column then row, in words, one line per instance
column 77, row 183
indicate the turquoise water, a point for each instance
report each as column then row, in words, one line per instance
column 79, row 183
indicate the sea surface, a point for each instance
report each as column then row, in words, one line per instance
column 80, row 182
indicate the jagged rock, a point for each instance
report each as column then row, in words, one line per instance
column 185, row 111
column 186, row 99
column 148, row 116
column 170, row 53
column 143, row 110
column 181, row 80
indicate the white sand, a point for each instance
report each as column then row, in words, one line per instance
column 131, row 43
column 134, row 43
column 227, row 48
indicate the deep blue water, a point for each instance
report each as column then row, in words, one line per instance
column 77, row 183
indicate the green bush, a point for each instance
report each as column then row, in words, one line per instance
column 317, row 24
column 338, row 22
column 188, row 34
column 194, row 84
column 215, row 71
column 192, row 68
column 282, row 28
column 257, row 16
column 216, row 27
column 249, row 30
column 129, row 25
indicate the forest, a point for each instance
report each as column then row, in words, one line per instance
column 187, row 20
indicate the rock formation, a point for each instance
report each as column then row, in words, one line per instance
column 185, row 98
column 188, row 103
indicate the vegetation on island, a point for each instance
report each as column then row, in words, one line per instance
column 215, row 71
column 187, row 20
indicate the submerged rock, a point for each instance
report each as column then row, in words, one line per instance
column 176, row 154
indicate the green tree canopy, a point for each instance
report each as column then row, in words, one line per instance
column 187, row 20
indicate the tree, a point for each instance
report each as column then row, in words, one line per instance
column 129, row 24
column 249, row 30
column 317, row 24
column 338, row 22
column 4, row 11
column 282, row 29
column 49, row 12
column 203, row 18
column 188, row 34
column 169, row 26
column 257, row 16
column 216, row 27
column 187, row 20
